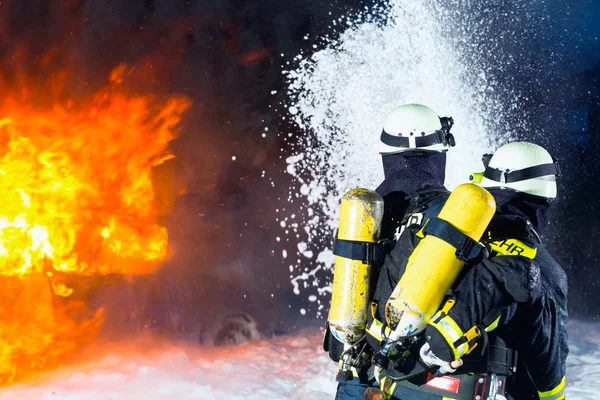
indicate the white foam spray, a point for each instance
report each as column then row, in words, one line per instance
column 340, row 95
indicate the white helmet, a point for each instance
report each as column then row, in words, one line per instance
column 415, row 126
column 521, row 166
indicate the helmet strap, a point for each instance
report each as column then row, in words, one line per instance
column 518, row 175
column 441, row 136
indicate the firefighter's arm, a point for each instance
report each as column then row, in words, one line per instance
column 489, row 287
column 542, row 327
column 555, row 393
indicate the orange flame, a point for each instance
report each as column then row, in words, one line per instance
column 76, row 197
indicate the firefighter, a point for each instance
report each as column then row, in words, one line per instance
column 413, row 147
column 501, row 333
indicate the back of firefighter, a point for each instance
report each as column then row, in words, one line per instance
column 505, row 319
column 413, row 147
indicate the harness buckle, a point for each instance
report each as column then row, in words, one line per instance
column 368, row 253
column 489, row 387
column 440, row 136
column 557, row 166
column 493, row 387
column 444, row 137
column 470, row 250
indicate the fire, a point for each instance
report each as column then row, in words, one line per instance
column 76, row 197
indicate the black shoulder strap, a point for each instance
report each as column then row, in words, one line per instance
column 467, row 249
column 426, row 195
column 421, row 199
column 505, row 227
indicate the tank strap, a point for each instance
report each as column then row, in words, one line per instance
column 498, row 359
column 502, row 360
column 467, row 249
column 368, row 253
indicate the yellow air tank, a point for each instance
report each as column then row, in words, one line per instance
column 361, row 213
column 433, row 266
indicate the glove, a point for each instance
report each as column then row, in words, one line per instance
column 431, row 359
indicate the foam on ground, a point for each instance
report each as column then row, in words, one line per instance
column 286, row 368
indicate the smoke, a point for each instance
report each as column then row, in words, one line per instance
column 224, row 198
column 226, row 57
column 494, row 67
column 341, row 94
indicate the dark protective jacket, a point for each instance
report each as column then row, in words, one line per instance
column 518, row 293
column 530, row 288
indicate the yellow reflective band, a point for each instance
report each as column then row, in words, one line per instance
column 513, row 247
column 493, row 325
column 378, row 330
column 447, row 398
column 446, row 335
column 387, row 387
column 451, row 332
column 558, row 393
column 374, row 329
column 449, row 323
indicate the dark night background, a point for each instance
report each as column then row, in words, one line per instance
column 225, row 55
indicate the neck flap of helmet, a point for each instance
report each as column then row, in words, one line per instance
column 413, row 170
column 511, row 203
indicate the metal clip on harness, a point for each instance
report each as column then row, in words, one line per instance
column 494, row 389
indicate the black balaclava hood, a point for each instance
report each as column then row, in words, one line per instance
column 535, row 209
column 413, row 170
